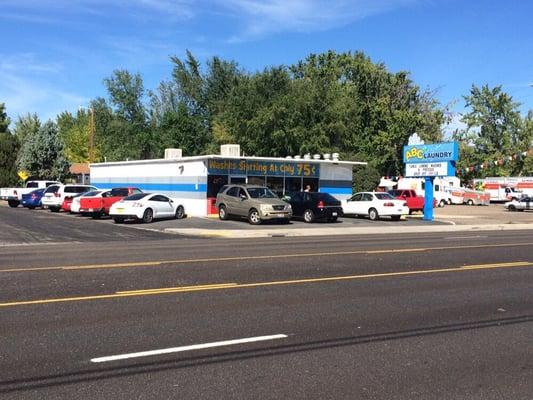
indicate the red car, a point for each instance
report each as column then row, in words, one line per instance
column 414, row 201
column 67, row 202
column 98, row 206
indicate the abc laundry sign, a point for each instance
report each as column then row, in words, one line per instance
column 430, row 159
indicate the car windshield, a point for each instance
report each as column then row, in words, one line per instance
column 383, row 196
column 92, row 194
column 136, row 196
column 395, row 192
column 261, row 193
column 32, row 185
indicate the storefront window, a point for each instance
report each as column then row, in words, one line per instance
column 256, row 180
column 275, row 183
column 293, row 184
column 215, row 183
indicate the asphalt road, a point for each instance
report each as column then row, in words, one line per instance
column 437, row 316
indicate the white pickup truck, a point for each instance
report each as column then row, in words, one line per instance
column 14, row 195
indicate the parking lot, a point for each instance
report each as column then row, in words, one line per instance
column 30, row 226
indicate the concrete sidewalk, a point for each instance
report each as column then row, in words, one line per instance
column 336, row 231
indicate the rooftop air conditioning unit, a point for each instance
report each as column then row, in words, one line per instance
column 288, row 157
column 326, row 156
column 171, row 154
column 307, row 156
column 230, row 150
column 297, row 157
column 316, row 156
column 335, row 156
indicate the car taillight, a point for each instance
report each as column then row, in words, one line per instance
column 320, row 204
column 56, row 194
column 405, row 204
column 15, row 192
column 388, row 205
column 137, row 205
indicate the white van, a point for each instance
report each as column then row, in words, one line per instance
column 55, row 195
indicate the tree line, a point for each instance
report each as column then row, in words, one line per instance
column 330, row 102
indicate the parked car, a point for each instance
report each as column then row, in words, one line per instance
column 375, row 205
column 525, row 203
column 67, row 202
column 256, row 203
column 414, row 202
column 76, row 201
column 14, row 195
column 146, row 207
column 32, row 199
column 55, row 194
column 314, row 206
column 100, row 205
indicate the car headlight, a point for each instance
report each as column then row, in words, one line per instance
column 288, row 207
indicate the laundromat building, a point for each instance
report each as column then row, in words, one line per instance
column 196, row 180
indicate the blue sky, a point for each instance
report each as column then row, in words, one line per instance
column 55, row 53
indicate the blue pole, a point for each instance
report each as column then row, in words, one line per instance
column 428, row 198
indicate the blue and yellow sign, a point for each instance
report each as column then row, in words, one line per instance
column 431, row 153
column 262, row 168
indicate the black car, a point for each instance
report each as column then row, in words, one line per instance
column 314, row 206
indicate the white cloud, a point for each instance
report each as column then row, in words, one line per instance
column 262, row 17
column 24, row 88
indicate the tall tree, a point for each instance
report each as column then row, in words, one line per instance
column 43, row 154
column 26, row 126
column 495, row 130
column 74, row 132
column 9, row 146
column 128, row 131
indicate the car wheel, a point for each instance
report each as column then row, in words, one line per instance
column 31, row 208
column 180, row 212
column 97, row 215
column 118, row 220
column 373, row 214
column 309, row 216
column 253, row 217
column 512, row 207
column 148, row 216
column 222, row 213
column 442, row 203
column 13, row 203
column 470, row 202
column 332, row 219
column 396, row 217
column 54, row 209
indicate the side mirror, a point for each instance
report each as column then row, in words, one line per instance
column 170, row 201
column 243, row 197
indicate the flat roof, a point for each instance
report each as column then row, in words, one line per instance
column 217, row 156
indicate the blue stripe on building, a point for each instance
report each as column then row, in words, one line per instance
column 336, row 190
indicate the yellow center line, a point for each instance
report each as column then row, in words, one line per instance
column 224, row 286
column 261, row 257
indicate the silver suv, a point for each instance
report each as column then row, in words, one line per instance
column 257, row 203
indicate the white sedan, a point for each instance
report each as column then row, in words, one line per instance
column 146, row 207
column 525, row 203
column 375, row 205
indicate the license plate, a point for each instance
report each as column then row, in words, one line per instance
column 333, row 214
column 120, row 210
column 281, row 215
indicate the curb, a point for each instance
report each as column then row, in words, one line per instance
column 243, row 234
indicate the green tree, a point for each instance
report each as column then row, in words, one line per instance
column 74, row 132
column 495, row 130
column 9, row 146
column 43, row 154
column 128, row 134
column 26, row 126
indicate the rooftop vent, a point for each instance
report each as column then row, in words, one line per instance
column 171, row 154
column 230, row 150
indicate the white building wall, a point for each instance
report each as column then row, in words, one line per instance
column 184, row 181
